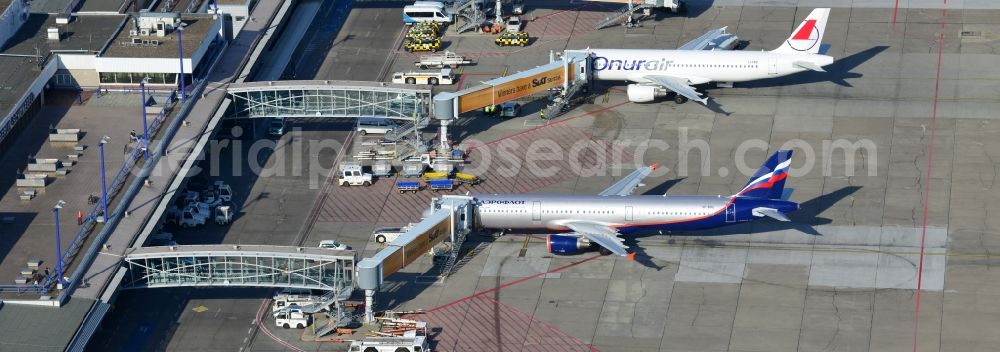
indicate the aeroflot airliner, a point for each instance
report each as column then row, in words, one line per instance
column 658, row 72
column 582, row 220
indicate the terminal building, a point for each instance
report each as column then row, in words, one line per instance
column 54, row 49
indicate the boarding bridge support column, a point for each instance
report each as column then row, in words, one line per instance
column 369, row 303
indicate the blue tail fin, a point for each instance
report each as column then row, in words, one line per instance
column 769, row 180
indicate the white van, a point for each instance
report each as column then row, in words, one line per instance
column 427, row 11
column 378, row 125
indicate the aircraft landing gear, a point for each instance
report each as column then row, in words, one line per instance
column 680, row 99
column 603, row 251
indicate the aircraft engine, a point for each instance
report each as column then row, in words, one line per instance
column 562, row 244
column 641, row 93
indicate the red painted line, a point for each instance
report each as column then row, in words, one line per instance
column 516, row 282
column 557, row 12
column 501, row 320
column 448, row 319
column 532, row 321
column 482, row 321
column 550, row 327
column 927, row 182
column 895, row 10
column 443, row 338
column 553, row 123
column 465, row 324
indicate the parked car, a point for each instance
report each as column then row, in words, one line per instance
column 331, row 244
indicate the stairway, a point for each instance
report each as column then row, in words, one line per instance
column 337, row 319
column 564, row 100
column 469, row 11
column 452, row 257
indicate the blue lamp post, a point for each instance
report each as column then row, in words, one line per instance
column 104, row 186
column 59, row 262
column 180, row 54
column 145, row 125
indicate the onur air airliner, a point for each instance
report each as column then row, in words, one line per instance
column 579, row 221
column 659, row 72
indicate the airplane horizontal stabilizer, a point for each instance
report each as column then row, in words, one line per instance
column 771, row 213
column 809, row 66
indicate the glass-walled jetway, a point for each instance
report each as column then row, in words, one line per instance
column 328, row 99
column 228, row 265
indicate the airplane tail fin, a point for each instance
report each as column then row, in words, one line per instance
column 769, row 180
column 808, row 36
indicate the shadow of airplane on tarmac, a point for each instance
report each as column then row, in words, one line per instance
column 804, row 220
column 838, row 73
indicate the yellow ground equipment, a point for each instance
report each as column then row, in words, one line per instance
column 416, row 32
column 467, row 178
column 435, row 175
column 423, row 44
column 512, row 39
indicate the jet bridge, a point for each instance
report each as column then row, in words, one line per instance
column 450, row 217
column 566, row 74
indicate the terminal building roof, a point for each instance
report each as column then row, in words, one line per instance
column 19, row 64
column 197, row 26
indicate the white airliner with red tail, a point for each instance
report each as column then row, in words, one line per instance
column 657, row 73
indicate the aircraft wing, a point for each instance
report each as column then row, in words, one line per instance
column 602, row 235
column 629, row 183
column 678, row 85
column 712, row 40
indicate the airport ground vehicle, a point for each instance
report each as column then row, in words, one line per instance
column 378, row 125
column 514, row 24
column 407, row 186
column 427, row 11
column 388, row 234
column 292, row 317
column 509, row 109
column 444, row 76
column 418, row 31
column 422, row 44
column 276, row 127
column 223, row 191
column 192, row 215
column 223, row 214
column 441, row 184
column 351, row 174
column 467, row 178
column 441, row 60
column 391, row 344
column 331, row 244
column 512, row 39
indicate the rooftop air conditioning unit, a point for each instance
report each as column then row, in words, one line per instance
column 133, row 32
column 154, row 42
column 137, row 41
column 53, row 33
column 144, row 31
